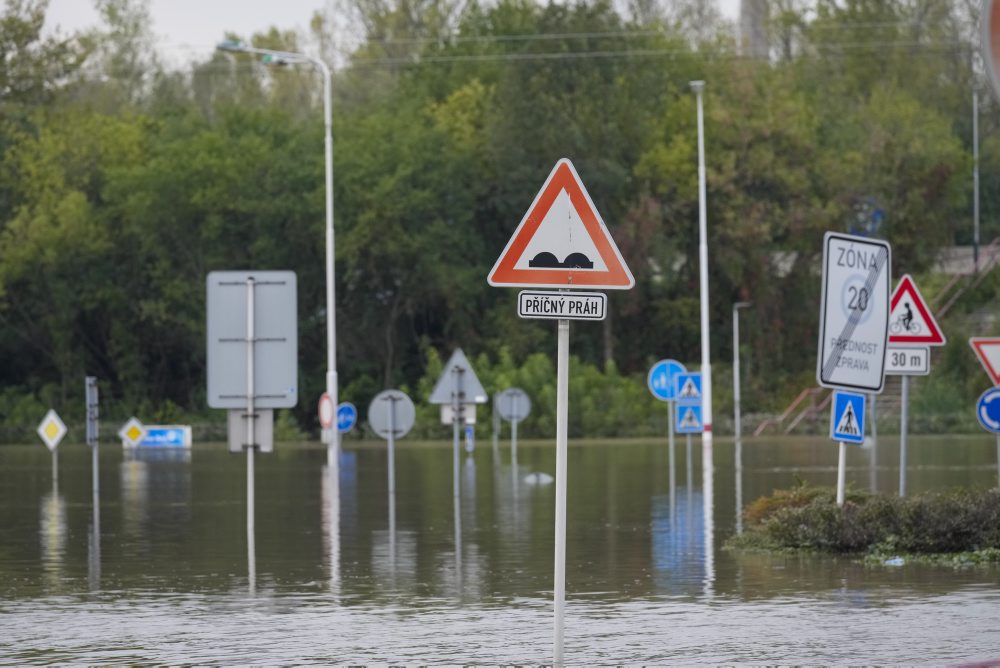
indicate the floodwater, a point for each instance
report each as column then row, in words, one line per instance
column 163, row 572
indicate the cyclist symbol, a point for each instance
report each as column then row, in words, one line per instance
column 904, row 323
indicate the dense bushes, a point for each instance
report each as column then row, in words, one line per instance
column 808, row 518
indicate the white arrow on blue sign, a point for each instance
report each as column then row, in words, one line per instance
column 347, row 416
column 847, row 417
column 661, row 379
column 988, row 410
column 687, row 387
column 688, row 419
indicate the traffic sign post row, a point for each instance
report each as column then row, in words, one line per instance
column 662, row 384
column 561, row 243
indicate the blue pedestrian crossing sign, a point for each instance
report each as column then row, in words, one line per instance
column 347, row 416
column 688, row 419
column 688, row 387
column 847, row 418
column 661, row 379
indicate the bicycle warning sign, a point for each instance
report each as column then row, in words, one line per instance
column 910, row 319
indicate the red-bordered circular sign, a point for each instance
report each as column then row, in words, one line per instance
column 989, row 23
column 326, row 411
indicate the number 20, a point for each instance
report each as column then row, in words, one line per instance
column 859, row 299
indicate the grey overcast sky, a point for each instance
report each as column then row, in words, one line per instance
column 188, row 28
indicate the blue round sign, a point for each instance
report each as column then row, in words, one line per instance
column 347, row 416
column 988, row 410
column 661, row 379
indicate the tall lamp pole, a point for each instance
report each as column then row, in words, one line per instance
column 706, row 368
column 287, row 58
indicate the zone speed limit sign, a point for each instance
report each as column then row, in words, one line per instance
column 854, row 315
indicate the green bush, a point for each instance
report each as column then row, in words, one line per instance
column 808, row 518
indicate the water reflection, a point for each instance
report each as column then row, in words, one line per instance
column 53, row 532
column 644, row 554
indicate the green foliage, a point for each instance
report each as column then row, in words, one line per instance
column 122, row 184
column 809, row 519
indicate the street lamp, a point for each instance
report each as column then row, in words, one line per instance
column 736, row 367
column 289, row 58
column 706, row 368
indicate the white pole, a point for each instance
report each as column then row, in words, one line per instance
column 841, row 473
column 456, row 418
column 331, row 306
column 706, row 367
column 903, row 420
column 562, row 425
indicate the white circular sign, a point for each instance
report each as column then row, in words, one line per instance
column 391, row 412
column 513, row 404
column 326, row 411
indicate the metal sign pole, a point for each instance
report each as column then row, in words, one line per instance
column 841, row 473
column 456, row 406
column 562, row 425
column 251, row 546
column 873, row 452
column 903, row 420
column 55, row 468
column 672, row 458
column 998, row 460
column 513, row 428
column 392, row 482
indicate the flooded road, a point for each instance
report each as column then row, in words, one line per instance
column 162, row 573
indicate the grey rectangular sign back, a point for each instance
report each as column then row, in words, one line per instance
column 275, row 339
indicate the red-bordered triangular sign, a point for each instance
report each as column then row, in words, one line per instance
column 910, row 319
column 988, row 351
column 562, row 241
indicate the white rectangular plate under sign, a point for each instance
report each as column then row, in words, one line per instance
column 854, row 317
column 907, row 361
column 562, row 305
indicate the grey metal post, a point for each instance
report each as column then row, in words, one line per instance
column 903, row 420
column 873, row 451
column 690, row 464
column 841, row 472
column 672, row 457
column 975, row 180
column 737, row 417
column 513, row 428
column 250, row 442
column 457, row 418
column 55, row 468
column 562, row 426
column 998, row 460
column 738, row 465
column 392, row 483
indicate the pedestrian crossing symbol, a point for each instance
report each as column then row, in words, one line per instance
column 847, row 419
column 688, row 387
column 688, row 419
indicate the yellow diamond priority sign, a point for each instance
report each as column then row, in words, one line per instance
column 132, row 432
column 51, row 430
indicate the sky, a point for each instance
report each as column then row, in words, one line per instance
column 186, row 29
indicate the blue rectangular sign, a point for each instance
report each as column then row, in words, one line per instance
column 688, row 419
column 847, row 417
column 687, row 388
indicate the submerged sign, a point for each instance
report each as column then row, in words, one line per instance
column 562, row 305
column 854, row 317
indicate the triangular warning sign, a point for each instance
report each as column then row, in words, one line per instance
column 689, row 390
column 562, row 241
column 988, row 351
column 690, row 420
column 458, row 382
column 848, row 425
column 910, row 319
